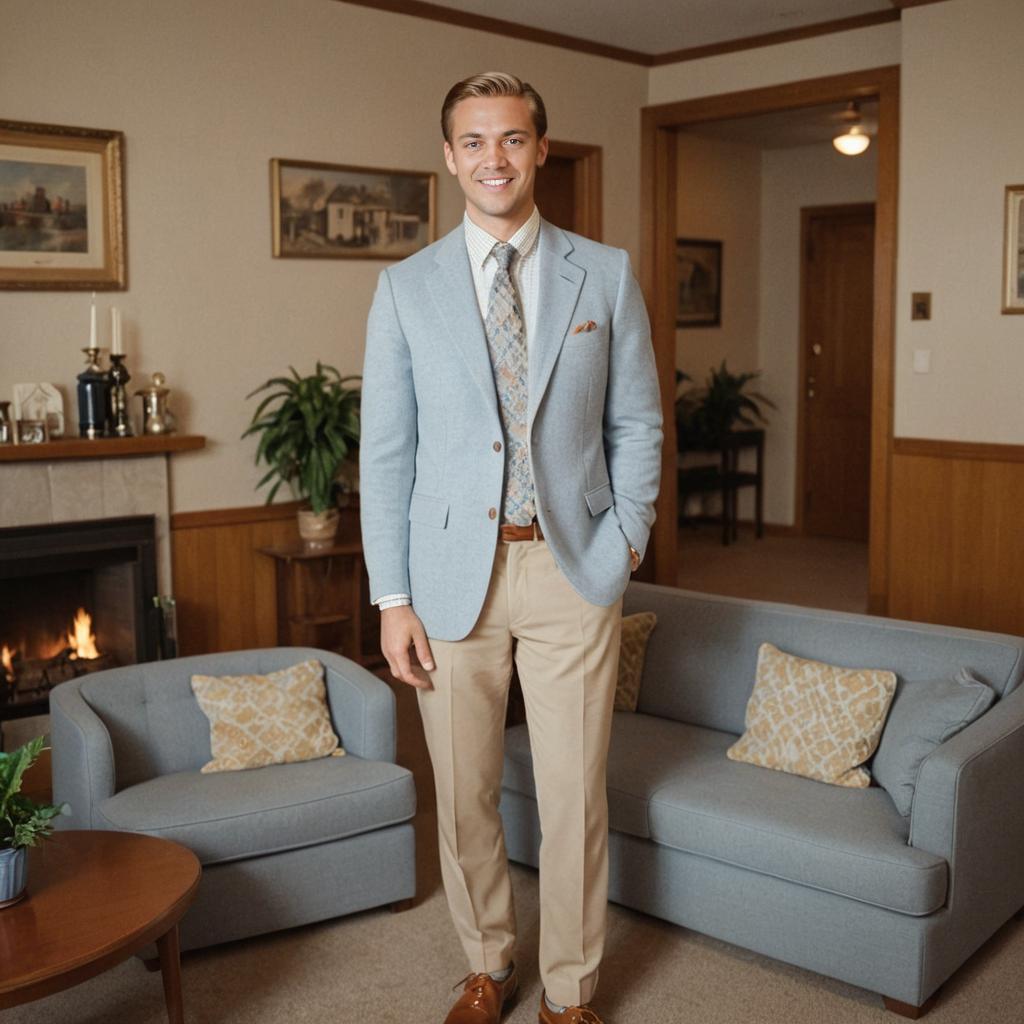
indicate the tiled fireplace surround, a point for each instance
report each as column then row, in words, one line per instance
column 72, row 490
column 97, row 488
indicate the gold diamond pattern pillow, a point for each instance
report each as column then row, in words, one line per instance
column 636, row 630
column 273, row 719
column 813, row 719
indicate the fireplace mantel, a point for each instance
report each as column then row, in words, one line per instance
column 101, row 448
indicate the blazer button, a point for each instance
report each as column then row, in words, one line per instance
column 492, row 513
column 497, row 446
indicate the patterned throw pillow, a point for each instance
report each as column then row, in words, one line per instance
column 636, row 629
column 273, row 719
column 812, row 719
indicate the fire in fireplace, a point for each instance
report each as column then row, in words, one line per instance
column 74, row 598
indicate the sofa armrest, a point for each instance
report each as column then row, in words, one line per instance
column 83, row 756
column 969, row 808
column 362, row 707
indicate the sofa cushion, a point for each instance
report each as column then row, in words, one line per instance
column 923, row 715
column 232, row 815
column 277, row 718
column 813, row 719
column 636, row 630
column 674, row 784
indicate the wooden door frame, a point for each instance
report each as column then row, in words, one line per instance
column 807, row 213
column 658, row 169
column 586, row 184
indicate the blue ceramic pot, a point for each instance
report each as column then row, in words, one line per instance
column 13, row 875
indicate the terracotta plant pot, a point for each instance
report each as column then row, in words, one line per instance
column 13, row 875
column 318, row 529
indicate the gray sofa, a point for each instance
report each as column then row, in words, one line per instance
column 831, row 879
column 280, row 846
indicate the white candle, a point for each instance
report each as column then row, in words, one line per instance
column 92, row 324
column 116, row 345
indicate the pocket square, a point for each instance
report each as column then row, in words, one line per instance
column 587, row 325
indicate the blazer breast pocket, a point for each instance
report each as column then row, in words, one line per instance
column 428, row 510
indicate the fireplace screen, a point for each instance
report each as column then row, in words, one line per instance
column 74, row 598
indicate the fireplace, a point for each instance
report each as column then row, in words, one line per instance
column 74, row 598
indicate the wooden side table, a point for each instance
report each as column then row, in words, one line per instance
column 319, row 590
column 95, row 898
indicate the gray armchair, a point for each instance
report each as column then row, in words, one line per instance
column 280, row 846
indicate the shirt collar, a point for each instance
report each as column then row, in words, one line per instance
column 479, row 243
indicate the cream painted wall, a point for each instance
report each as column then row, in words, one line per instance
column 873, row 47
column 792, row 179
column 960, row 146
column 206, row 93
column 719, row 198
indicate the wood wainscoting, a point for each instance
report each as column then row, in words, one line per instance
column 224, row 587
column 957, row 547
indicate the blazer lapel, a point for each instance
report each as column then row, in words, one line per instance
column 451, row 286
column 560, row 285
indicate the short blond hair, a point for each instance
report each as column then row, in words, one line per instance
column 493, row 83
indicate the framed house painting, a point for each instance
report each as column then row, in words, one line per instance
column 61, row 207
column 335, row 211
column 698, row 283
column 1013, row 250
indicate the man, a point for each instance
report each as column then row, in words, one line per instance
column 509, row 462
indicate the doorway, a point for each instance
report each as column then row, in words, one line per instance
column 659, row 216
column 834, row 408
column 567, row 188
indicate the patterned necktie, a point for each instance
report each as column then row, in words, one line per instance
column 506, row 339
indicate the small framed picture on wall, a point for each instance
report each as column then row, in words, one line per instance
column 1013, row 250
column 698, row 282
column 61, row 207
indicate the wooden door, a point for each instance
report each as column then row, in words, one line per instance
column 568, row 188
column 837, row 284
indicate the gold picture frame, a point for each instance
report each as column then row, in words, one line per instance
column 337, row 211
column 61, row 207
column 1013, row 250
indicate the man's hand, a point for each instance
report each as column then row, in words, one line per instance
column 401, row 629
column 634, row 559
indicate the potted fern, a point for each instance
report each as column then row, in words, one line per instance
column 308, row 427
column 23, row 822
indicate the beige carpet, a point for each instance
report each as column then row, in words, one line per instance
column 817, row 572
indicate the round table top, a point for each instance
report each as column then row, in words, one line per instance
column 94, row 898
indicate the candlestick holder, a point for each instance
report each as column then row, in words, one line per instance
column 120, row 420
column 93, row 397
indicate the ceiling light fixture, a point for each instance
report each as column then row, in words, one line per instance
column 855, row 139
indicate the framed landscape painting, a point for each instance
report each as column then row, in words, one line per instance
column 1013, row 250
column 698, row 282
column 61, row 207
column 334, row 211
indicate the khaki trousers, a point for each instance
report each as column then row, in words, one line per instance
column 566, row 651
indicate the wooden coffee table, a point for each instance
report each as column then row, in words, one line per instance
column 94, row 899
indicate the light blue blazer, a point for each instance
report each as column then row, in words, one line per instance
column 430, row 476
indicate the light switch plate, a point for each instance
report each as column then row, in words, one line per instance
column 920, row 305
column 922, row 360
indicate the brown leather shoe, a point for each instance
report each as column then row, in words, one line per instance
column 570, row 1015
column 483, row 999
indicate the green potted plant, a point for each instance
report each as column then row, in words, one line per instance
column 704, row 416
column 23, row 822
column 308, row 427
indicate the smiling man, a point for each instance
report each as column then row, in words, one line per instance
column 509, row 463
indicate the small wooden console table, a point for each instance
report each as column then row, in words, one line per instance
column 318, row 590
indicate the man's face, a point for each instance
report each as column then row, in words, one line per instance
column 495, row 154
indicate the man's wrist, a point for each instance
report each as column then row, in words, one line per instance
column 392, row 601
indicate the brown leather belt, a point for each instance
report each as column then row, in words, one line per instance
column 509, row 531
